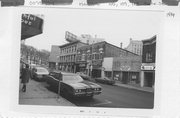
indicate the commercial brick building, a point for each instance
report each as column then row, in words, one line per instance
column 125, row 69
column 67, row 56
column 90, row 58
column 54, row 57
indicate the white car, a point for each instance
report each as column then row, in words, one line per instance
column 39, row 73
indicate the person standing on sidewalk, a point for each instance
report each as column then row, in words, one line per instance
column 25, row 77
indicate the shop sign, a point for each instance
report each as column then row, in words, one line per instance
column 147, row 67
column 31, row 25
column 125, row 68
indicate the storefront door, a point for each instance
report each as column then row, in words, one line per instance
column 125, row 78
column 148, row 79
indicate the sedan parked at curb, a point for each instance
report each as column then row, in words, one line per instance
column 105, row 80
column 39, row 73
column 72, row 85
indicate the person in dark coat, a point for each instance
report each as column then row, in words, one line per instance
column 25, row 77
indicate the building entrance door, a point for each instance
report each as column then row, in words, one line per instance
column 148, row 79
column 125, row 78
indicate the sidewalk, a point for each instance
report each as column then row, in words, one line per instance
column 136, row 87
column 38, row 94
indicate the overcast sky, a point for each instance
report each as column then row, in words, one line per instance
column 115, row 26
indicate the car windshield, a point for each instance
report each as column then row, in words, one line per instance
column 72, row 78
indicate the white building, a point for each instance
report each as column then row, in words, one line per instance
column 135, row 46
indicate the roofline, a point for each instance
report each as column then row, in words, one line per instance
column 122, row 49
column 92, row 44
column 149, row 38
column 111, row 45
column 78, row 41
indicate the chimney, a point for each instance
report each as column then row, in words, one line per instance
column 121, row 44
column 130, row 39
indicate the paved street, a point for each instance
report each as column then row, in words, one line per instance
column 38, row 93
column 116, row 96
column 120, row 97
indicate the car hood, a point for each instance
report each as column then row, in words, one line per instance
column 84, row 84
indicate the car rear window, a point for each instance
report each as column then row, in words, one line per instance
column 72, row 78
column 41, row 70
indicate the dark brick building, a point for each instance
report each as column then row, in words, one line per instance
column 90, row 58
column 148, row 62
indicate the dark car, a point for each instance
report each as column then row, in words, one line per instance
column 72, row 85
column 39, row 73
column 105, row 80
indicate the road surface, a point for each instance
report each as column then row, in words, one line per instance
column 117, row 97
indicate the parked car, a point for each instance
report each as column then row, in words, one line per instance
column 105, row 80
column 39, row 73
column 84, row 76
column 72, row 85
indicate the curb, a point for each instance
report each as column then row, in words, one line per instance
column 135, row 88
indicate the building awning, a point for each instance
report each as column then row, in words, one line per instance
column 31, row 25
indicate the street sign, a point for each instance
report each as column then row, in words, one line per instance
column 147, row 67
column 31, row 25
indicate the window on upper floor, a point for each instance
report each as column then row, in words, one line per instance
column 101, row 56
column 93, row 56
column 149, row 57
column 96, row 56
column 83, row 57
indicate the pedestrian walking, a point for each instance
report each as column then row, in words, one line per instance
column 25, row 76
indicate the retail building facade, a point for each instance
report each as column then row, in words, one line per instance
column 148, row 62
column 53, row 58
column 67, row 56
column 90, row 58
column 125, row 69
